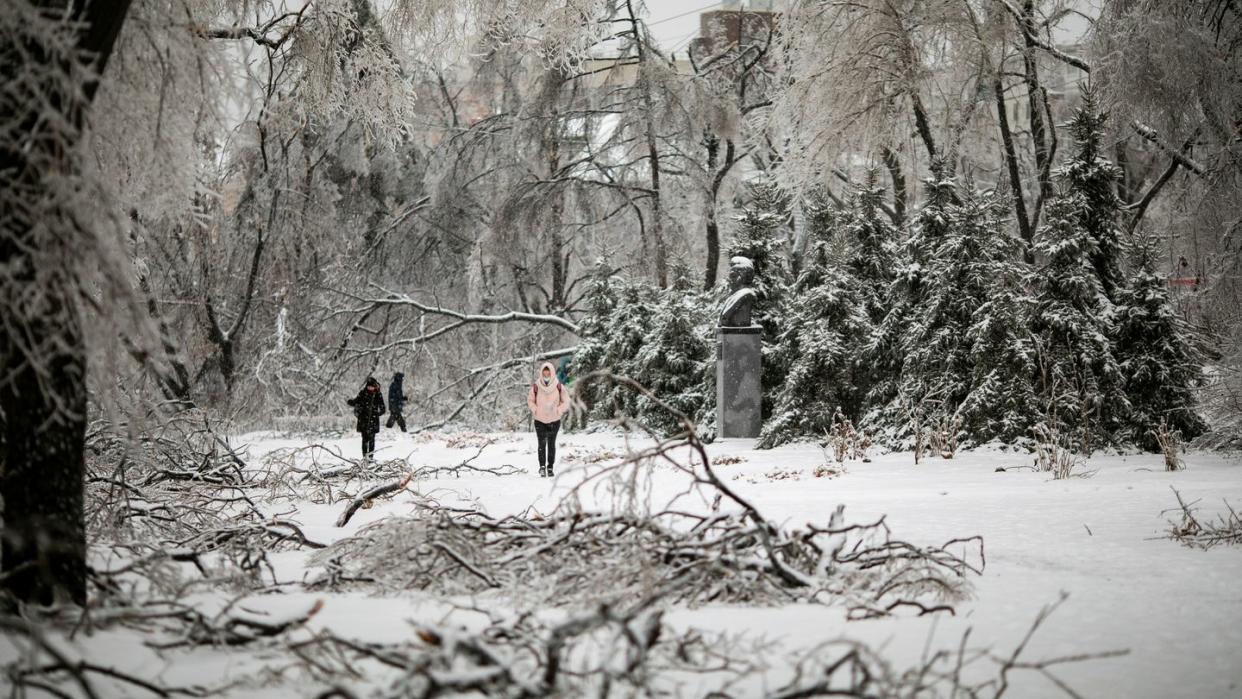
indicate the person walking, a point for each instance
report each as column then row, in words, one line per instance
column 548, row 400
column 396, row 401
column 368, row 406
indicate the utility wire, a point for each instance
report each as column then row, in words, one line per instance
column 687, row 12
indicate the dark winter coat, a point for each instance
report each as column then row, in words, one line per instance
column 368, row 406
column 396, row 394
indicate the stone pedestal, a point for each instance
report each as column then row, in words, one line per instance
column 738, row 390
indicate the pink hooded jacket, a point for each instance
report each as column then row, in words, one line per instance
column 547, row 401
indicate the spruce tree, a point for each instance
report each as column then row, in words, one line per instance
column 617, row 323
column 672, row 362
column 1001, row 403
column 872, row 244
column 1155, row 355
column 969, row 346
column 827, row 327
column 1080, row 381
column 1094, row 179
column 929, row 226
column 594, row 330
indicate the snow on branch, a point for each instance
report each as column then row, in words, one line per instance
column 260, row 34
column 393, row 299
column 1179, row 156
column 1033, row 37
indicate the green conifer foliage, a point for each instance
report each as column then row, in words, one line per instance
column 1079, row 380
column 1156, row 355
column 825, row 329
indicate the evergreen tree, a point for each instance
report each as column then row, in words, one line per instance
column 613, row 330
column 968, row 344
column 1001, row 403
column 594, row 329
column 906, row 293
column 826, row 328
column 1156, row 356
column 672, row 363
column 1094, row 179
column 872, row 244
column 1079, row 379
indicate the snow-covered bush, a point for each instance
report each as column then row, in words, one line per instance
column 1157, row 357
column 825, row 331
column 953, row 359
column 663, row 339
column 676, row 359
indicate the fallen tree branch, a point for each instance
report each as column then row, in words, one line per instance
column 395, row 299
column 365, row 498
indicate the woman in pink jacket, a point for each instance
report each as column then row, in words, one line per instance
column 548, row 400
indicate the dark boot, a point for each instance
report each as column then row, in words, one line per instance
column 550, row 473
column 543, row 471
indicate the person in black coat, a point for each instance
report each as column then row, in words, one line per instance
column 396, row 401
column 368, row 407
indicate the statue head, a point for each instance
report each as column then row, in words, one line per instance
column 741, row 273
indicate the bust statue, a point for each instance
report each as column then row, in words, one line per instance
column 736, row 310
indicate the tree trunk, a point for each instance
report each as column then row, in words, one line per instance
column 712, row 143
column 893, row 163
column 42, row 345
column 713, row 247
column 1015, row 175
column 653, row 154
column 551, row 147
column 44, row 548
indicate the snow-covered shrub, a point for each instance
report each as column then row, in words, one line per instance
column 663, row 339
column 1157, row 357
column 1080, row 383
column 825, row 331
column 1201, row 533
column 845, row 441
column 1170, row 443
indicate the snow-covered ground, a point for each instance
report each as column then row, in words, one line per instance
column 1100, row 539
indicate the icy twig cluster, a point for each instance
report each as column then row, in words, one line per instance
column 1204, row 534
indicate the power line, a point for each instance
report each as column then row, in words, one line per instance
column 688, row 12
column 683, row 41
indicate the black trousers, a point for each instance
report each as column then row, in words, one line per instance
column 397, row 417
column 545, row 432
column 368, row 445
